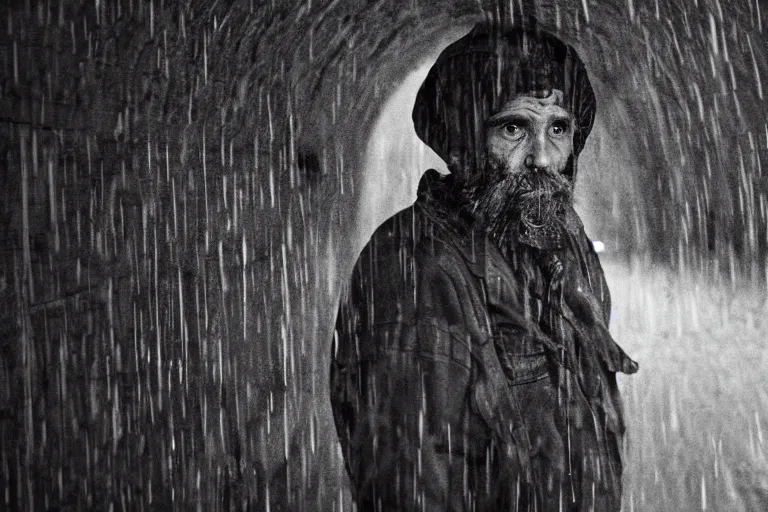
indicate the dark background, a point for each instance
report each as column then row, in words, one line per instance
column 180, row 203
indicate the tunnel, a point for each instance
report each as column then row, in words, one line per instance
column 186, row 186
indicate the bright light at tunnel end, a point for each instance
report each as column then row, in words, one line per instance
column 598, row 245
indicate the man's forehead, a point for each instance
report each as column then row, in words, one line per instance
column 548, row 102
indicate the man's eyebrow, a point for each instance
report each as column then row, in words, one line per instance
column 523, row 115
column 505, row 117
column 562, row 117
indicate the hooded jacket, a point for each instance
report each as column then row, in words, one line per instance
column 444, row 384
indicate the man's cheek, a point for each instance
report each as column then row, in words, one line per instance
column 566, row 151
column 504, row 150
column 514, row 159
column 561, row 159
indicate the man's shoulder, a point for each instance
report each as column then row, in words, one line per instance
column 417, row 235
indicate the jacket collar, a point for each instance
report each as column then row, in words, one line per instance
column 451, row 220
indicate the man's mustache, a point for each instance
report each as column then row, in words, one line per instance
column 531, row 193
column 542, row 183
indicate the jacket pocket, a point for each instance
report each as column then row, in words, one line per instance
column 522, row 356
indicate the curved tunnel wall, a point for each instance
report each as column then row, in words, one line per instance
column 178, row 185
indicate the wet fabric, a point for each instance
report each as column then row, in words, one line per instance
column 437, row 328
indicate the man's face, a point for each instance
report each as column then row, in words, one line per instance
column 530, row 133
column 529, row 144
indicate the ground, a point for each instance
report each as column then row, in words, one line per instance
column 697, row 408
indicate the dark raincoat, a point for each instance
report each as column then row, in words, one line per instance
column 464, row 379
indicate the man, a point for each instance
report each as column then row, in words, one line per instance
column 472, row 365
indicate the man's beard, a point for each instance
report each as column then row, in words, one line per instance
column 525, row 206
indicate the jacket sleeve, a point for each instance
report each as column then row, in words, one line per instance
column 411, row 443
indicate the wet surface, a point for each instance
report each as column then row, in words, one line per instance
column 697, row 409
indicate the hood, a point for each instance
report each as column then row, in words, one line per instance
column 476, row 75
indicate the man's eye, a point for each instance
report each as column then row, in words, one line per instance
column 559, row 127
column 513, row 129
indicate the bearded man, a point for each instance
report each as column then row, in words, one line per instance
column 472, row 367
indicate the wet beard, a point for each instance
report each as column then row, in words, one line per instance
column 525, row 207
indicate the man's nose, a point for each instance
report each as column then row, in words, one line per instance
column 539, row 154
